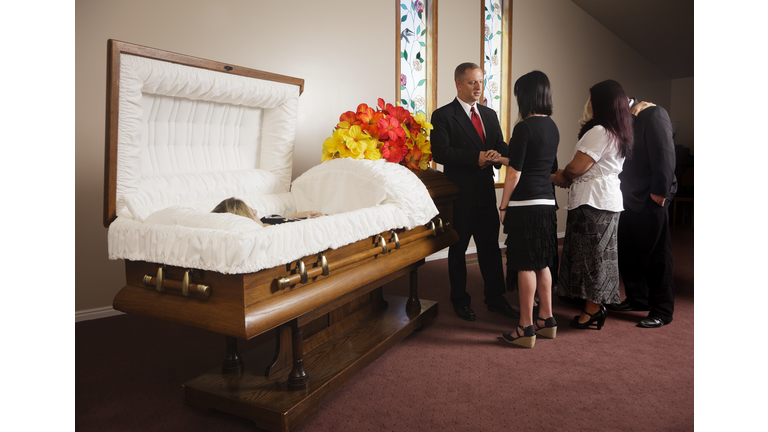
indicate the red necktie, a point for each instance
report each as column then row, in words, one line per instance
column 478, row 124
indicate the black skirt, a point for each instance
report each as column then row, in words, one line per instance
column 531, row 237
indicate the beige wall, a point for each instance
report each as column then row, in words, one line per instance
column 343, row 58
column 681, row 110
column 346, row 58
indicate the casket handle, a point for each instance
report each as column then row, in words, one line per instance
column 432, row 227
column 161, row 284
column 440, row 224
column 382, row 244
column 322, row 261
column 185, row 284
column 302, row 270
column 395, row 239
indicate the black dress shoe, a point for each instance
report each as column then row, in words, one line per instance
column 627, row 306
column 465, row 313
column 652, row 322
column 506, row 310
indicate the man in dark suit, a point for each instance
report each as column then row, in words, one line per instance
column 648, row 185
column 467, row 140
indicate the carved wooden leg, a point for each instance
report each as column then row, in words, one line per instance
column 232, row 361
column 413, row 305
column 298, row 377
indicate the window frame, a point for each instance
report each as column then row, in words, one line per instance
column 506, row 69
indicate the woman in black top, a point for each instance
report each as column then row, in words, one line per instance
column 528, row 207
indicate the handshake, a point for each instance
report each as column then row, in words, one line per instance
column 490, row 157
column 560, row 181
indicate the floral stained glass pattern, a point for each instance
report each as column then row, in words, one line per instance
column 492, row 47
column 413, row 48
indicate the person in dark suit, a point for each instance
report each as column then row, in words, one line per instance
column 648, row 185
column 467, row 140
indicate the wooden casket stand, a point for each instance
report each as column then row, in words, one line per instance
column 328, row 312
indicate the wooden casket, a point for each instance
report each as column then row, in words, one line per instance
column 183, row 134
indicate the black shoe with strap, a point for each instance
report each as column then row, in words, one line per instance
column 526, row 340
column 549, row 330
column 598, row 319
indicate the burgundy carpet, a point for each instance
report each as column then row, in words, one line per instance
column 452, row 376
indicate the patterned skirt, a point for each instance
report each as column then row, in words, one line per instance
column 589, row 267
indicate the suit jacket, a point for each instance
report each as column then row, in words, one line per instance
column 651, row 169
column 457, row 146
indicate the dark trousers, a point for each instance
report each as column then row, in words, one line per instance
column 645, row 259
column 482, row 224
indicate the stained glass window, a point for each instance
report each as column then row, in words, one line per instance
column 416, row 60
column 496, row 54
column 493, row 55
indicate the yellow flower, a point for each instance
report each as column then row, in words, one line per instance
column 334, row 144
column 357, row 141
column 421, row 119
column 374, row 150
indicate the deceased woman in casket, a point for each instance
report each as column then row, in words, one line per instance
column 240, row 208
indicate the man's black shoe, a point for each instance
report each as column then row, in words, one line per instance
column 628, row 306
column 506, row 310
column 652, row 322
column 465, row 313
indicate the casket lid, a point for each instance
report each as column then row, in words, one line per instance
column 207, row 105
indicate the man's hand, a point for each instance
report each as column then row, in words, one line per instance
column 486, row 158
column 636, row 108
column 659, row 199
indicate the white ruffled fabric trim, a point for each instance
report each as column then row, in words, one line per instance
column 187, row 236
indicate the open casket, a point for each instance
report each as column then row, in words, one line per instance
column 183, row 134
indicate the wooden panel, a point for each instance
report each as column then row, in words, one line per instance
column 270, row 403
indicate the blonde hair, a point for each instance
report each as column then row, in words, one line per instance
column 587, row 115
column 235, row 206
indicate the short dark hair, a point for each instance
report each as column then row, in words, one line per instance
column 610, row 109
column 534, row 95
column 462, row 69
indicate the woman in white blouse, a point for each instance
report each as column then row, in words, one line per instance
column 589, row 265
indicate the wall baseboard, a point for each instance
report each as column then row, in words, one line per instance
column 105, row 312
column 91, row 314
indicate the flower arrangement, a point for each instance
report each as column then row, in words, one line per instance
column 389, row 132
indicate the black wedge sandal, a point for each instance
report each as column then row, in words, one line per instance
column 549, row 330
column 526, row 340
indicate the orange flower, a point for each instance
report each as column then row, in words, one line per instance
column 350, row 118
column 413, row 158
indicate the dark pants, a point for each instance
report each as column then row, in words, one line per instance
column 482, row 224
column 645, row 259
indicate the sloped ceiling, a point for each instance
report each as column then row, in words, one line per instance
column 659, row 30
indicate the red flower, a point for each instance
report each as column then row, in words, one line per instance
column 394, row 151
column 390, row 130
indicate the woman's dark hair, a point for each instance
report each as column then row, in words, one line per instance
column 610, row 109
column 534, row 95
